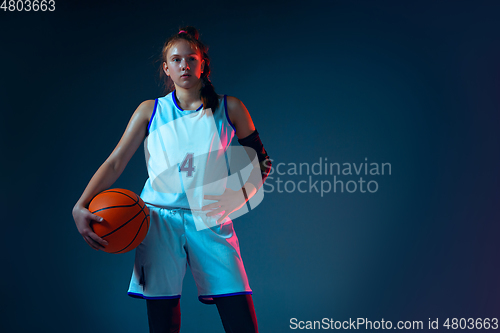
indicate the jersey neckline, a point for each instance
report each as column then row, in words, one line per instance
column 179, row 108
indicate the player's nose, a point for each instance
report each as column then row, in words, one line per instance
column 184, row 64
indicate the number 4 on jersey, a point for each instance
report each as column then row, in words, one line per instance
column 187, row 164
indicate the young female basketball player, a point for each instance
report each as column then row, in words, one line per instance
column 185, row 126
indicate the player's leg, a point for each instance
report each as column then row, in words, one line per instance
column 237, row 313
column 164, row 315
column 217, row 267
column 161, row 265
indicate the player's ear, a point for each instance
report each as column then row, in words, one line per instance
column 202, row 65
column 165, row 69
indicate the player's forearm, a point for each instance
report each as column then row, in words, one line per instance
column 257, row 178
column 259, row 173
column 249, row 189
column 104, row 177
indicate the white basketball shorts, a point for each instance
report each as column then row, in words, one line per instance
column 172, row 243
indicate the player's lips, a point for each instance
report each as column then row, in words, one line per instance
column 185, row 75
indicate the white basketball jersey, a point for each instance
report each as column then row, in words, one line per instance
column 186, row 154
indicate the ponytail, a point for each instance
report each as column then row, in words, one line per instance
column 208, row 95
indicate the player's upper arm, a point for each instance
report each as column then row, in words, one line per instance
column 240, row 117
column 132, row 137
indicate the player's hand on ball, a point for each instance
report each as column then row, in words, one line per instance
column 83, row 217
column 228, row 202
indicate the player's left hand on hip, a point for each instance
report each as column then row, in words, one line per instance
column 228, row 202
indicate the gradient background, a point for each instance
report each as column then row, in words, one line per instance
column 411, row 83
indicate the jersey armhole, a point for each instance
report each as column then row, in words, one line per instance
column 227, row 115
column 152, row 115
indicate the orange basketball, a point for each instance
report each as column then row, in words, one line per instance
column 126, row 219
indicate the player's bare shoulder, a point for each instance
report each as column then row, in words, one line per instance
column 133, row 136
column 140, row 119
column 145, row 110
column 233, row 105
column 235, row 108
column 239, row 116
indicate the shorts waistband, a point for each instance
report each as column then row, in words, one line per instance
column 175, row 208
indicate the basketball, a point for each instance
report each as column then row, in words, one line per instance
column 126, row 219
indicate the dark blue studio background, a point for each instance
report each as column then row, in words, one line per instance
column 411, row 83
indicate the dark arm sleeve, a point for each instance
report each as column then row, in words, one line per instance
column 253, row 141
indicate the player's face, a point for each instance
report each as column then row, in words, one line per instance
column 184, row 64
